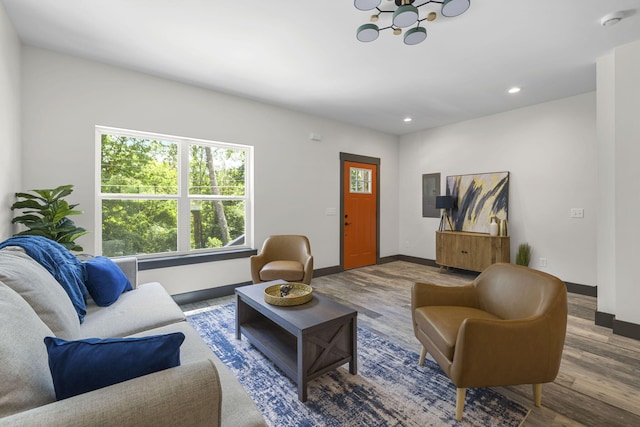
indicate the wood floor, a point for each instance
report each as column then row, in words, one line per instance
column 599, row 379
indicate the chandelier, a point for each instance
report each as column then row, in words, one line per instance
column 406, row 15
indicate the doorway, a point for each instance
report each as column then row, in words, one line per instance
column 360, row 210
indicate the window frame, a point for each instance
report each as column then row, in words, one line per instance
column 182, row 197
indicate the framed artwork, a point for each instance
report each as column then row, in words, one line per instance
column 477, row 198
column 430, row 189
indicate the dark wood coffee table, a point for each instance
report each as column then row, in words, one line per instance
column 305, row 341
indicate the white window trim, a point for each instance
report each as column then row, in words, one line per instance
column 183, row 198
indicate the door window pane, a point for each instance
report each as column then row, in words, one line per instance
column 360, row 180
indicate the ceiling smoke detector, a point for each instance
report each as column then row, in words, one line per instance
column 611, row 19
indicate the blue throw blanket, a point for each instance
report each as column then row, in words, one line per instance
column 60, row 262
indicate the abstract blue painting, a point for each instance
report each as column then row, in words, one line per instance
column 477, row 198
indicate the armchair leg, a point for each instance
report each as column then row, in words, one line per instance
column 460, row 395
column 423, row 354
column 537, row 394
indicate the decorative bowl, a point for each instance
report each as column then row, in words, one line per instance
column 299, row 294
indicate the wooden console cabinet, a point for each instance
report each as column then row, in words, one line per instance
column 470, row 251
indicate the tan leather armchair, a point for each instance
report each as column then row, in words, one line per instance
column 506, row 328
column 286, row 257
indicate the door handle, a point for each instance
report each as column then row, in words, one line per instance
column 347, row 223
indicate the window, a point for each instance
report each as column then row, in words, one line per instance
column 360, row 180
column 161, row 194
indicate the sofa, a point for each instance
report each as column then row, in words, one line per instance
column 201, row 391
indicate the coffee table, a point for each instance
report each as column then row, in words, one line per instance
column 305, row 341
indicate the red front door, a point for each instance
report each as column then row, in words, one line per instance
column 360, row 214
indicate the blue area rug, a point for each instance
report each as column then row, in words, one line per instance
column 389, row 390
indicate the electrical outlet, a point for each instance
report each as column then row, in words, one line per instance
column 542, row 262
column 577, row 213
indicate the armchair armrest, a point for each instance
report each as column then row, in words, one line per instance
column 424, row 294
column 308, row 269
column 506, row 352
column 257, row 262
column 187, row 395
column 129, row 266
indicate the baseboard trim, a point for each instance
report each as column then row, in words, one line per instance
column 619, row 327
column 327, row 271
column 576, row 288
column 604, row 319
column 204, row 294
column 626, row 329
column 387, row 259
column 416, row 260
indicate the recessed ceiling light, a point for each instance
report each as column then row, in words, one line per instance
column 407, row 119
column 514, row 89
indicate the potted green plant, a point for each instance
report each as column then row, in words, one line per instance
column 45, row 212
column 523, row 257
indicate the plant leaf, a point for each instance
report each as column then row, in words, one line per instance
column 45, row 194
column 70, row 237
column 62, row 191
column 28, row 196
column 28, row 204
column 22, row 219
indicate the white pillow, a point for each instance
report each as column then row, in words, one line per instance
column 42, row 291
column 24, row 371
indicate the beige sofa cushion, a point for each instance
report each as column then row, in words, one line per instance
column 24, row 369
column 184, row 396
column 42, row 291
column 237, row 407
column 148, row 306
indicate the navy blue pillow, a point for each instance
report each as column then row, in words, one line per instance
column 105, row 281
column 81, row 366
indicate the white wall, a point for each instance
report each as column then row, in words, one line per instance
column 606, row 234
column 295, row 179
column 10, row 153
column 549, row 150
column 627, row 181
column 619, row 179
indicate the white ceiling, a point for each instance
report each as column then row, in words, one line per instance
column 303, row 55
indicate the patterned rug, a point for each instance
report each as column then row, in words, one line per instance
column 389, row 390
